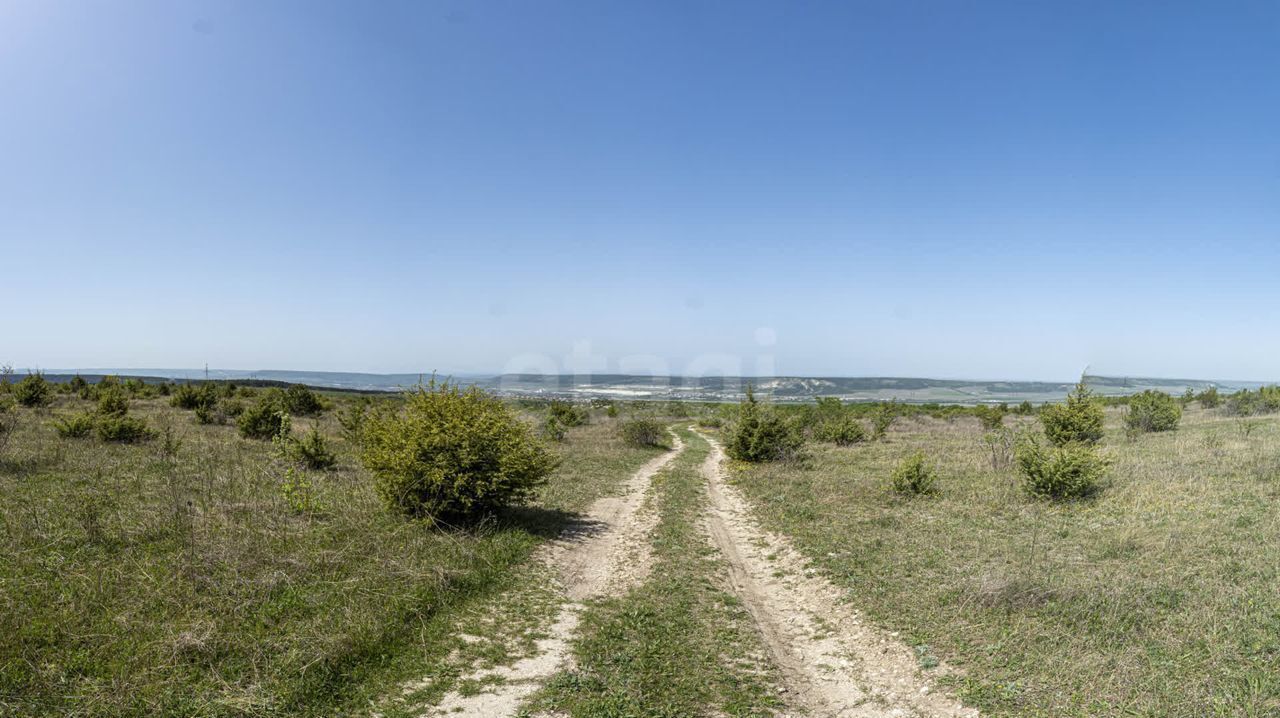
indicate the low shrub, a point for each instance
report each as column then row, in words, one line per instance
column 264, row 419
column 761, row 434
column 991, row 417
column 300, row 400
column 1152, row 411
column 914, row 476
column 1209, row 398
column 568, row 415
column 311, row 452
column 1070, row 471
column 351, row 419
column 76, row 426
column 122, row 428
column 643, row 431
column 553, row 430
column 1078, row 421
column 33, row 391
column 844, row 430
column 882, row 418
column 448, row 453
column 112, row 401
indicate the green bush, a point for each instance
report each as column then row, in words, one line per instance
column 194, row 397
column 644, row 431
column 885, row 413
column 264, row 419
column 299, row 400
column 843, row 430
column 991, row 417
column 567, row 414
column 352, row 418
column 1209, row 398
column 122, row 428
column 1078, row 421
column 1024, row 409
column 74, row 427
column 1070, row 471
column 112, row 401
column 1152, row 411
column 449, row 453
column 33, row 391
column 78, row 385
column 312, row 451
column 761, row 433
column 553, row 430
column 914, row 476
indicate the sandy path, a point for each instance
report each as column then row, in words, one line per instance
column 832, row 662
column 605, row 553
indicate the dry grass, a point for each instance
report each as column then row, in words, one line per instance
column 135, row 585
column 1157, row 598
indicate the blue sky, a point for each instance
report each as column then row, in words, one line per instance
column 954, row 189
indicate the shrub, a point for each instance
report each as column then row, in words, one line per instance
column 991, row 417
column 74, row 427
column 1070, row 471
column 761, row 434
column 311, row 451
column 193, row 398
column 710, row 422
column 122, row 428
column 1209, row 398
column 299, row 493
column 264, row 419
column 553, row 430
column 1079, row 420
column 644, row 431
column 843, row 430
column 567, row 414
column 885, row 413
column 33, row 390
column 914, row 476
column 210, row 414
column 449, row 453
column 112, row 401
column 611, row 411
column 1024, row 409
column 352, row 418
column 299, row 400
column 78, row 385
column 1152, row 411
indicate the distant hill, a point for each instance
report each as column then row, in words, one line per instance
column 630, row 386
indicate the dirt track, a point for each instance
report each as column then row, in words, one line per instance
column 604, row 554
column 833, row 663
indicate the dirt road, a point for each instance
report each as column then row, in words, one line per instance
column 833, row 663
column 604, row 554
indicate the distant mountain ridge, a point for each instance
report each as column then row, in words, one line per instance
column 633, row 386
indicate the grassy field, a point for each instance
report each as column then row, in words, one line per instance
column 1156, row 598
column 132, row 583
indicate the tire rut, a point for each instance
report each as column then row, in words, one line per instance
column 833, row 663
column 605, row 553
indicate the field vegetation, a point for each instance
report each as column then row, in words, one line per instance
column 156, row 563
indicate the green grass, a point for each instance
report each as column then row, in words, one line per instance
column 1156, row 598
column 135, row 585
column 679, row 644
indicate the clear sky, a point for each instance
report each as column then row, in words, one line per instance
column 953, row 189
